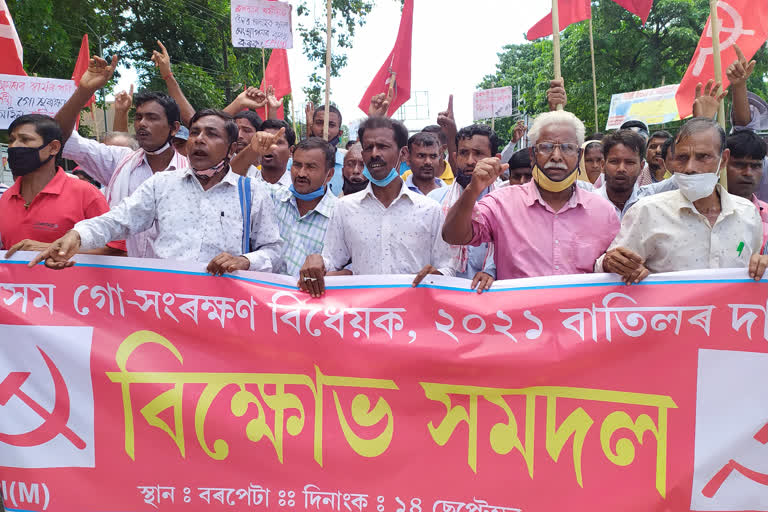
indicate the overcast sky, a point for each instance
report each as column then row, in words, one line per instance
column 455, row 44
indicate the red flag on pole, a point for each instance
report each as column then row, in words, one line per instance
column 570, row 11
column 398, row 64
column 640, row 8
column 278, row 76
column 81, row 66
column 742, row 22
column 11, row 52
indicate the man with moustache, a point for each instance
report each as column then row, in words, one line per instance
column 271, row 146
column 353, row 168
column 121, row 169
column 423, row 157
column 545, row 227
column 199, row 211
column 387, row 228
column 745, row 170
column 653, row 156
column 474, row 143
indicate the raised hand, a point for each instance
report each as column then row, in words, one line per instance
column 446, row 119
column 707, row 104
column 310, row 111
column 252, row 98
column 263, row 142
column 556, row 94
column 486, row 172
column 162, row 61
column 98, row 74
column 124, row 100
column 739, row 72
column 380, row 102
column 272, row 99
column 519, row 131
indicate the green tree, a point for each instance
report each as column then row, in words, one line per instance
column 628, row 57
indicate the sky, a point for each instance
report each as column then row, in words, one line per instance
column 455, row 44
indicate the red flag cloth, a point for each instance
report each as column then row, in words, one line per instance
column 11, row 52
column 640, row 8
column 81, row 66
column 399, row 63
column 569, row 11
column 278, row 76
column 742, row 22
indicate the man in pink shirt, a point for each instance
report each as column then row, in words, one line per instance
column 548, row 226
column 745, row 170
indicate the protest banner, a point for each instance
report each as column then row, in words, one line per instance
column 492, row 103
column 652, row 106
column 261, row 24
column 125, row 385
column 20, row 95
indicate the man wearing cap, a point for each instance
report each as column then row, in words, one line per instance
column 179, row 140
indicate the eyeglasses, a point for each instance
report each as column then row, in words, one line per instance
column 567, row 149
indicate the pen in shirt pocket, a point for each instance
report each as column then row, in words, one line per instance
column 738, row 249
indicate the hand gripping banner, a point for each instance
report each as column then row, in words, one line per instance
column 138, row 385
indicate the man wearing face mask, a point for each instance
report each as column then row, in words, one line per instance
column 387, row 228
column 43, row 203
column 201, row 212
column 474, row 143
column 545, row 227
column 354, row 181
column 698, row 226
column 121, row 169
column 304, row 209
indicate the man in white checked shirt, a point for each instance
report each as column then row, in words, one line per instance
column 304, row 209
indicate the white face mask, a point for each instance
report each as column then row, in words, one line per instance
column 698, row 186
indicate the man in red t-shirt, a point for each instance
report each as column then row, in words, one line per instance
column 43, row 203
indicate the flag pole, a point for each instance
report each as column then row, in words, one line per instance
column 293, row 117
column 594, row 74
column 556, row 42
column 264, row 80
column 717, row 61
column 329, row 29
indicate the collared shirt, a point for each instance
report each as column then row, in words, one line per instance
column 669, row 233
column 283, row 183
column 301, row 236
column 101, row 162
column 447, row 175
column 411, row 186
column 3, row 188
column 402, row 238
column 192, row 224
column 478, row 258
column 638, row 192
column 54, row 210
column 531, row 239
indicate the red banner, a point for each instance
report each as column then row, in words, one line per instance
column 130, row 387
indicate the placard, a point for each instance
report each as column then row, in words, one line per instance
column 21, row 95
column 493, row 103
column 261, row 24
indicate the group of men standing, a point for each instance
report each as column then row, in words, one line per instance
column 241, row 193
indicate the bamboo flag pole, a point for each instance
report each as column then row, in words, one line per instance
column 293, row 117
column 329, row 28
column 556, row 42
column 264, row 81
column 594, row 74
column 718, row 64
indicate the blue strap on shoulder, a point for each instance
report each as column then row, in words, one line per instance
column 244, row 191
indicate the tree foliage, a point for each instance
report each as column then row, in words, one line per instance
column 628, row 57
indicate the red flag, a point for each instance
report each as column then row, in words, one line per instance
column 81, row 66
column 640, row 8
column 11, row 52
column 569, row 11
column 278, row 76
column 398, row 64
column 742, row 22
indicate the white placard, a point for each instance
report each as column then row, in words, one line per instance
column 490, row 103
column 21, row 95
column 261, row 24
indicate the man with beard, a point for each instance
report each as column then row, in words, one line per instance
column 387, row 228
column 272, row 147
column 623, row 152
column 121, row 169
column 546, row 227
column 520, row 171
column 656, row 166
column 745, row 170
column 200, row 211
column 423, row 157
column 315, row 123
column 354, row 181
column 303, row 210
column 444, row 171
column 474, row 142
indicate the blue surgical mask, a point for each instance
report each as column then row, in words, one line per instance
column 386, row 181
column 307, row 197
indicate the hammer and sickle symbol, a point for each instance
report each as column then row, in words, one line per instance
column 719, row 479
column 734, row 33
column 55, row 421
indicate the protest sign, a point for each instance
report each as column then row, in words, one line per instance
column 652, row 106
column 125, row 385
column 21, row 95
column 492, row 103
column 261, row 24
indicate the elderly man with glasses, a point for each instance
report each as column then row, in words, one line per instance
column 548, row 226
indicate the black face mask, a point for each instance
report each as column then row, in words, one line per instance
column 351, row 187
column 463, row 179
column 25, row 160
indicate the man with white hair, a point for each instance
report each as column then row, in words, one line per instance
column 546, row 227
